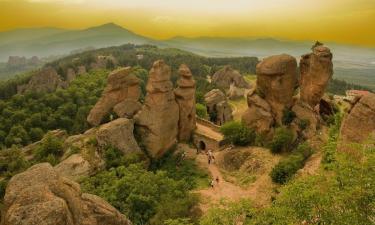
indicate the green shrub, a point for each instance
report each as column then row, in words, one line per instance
column 50, row 149
column 282, row 140
column 288, row 116
column 12, row 162
column 286, row 168
column 303, row 124
column 201, row 110
column 238, row 134
column 115, row 158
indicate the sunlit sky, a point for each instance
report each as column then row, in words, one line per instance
column 343, row 21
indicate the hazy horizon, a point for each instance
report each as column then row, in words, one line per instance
column 344, row 21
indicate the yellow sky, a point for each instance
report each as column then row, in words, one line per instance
column 343, row 21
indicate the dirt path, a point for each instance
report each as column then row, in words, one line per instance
column 259, row 191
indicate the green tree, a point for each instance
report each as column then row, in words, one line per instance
column 282, row 140
column 238, row 134
column 201, row 110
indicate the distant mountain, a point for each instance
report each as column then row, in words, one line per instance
column 352, row 63
column 46, row 42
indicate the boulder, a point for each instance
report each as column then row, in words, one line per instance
column 81, row 70
column 185, row 97
column 157, row 122
column 235, row 92
column 218, row 107
column 305, row 114
column 360, row 122
column 122, row 85
column 258, row 116
column 119, row 134
column 227, row 76
column 40, row 196
column 74, row 167
column 276, row 81
column 46, row 80
column 127, row 108
column 316, row 71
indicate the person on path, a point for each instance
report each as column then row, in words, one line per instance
column 217, row 180
column 212, row 183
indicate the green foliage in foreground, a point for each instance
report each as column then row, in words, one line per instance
column 238, row 134
column 282, row 140
column 49, row 150
column 329, row 150
column 286, row 168
column 148, row 197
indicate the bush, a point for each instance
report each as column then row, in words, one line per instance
column 282, row 140
column 12, row 162
column 303, row 124
column 50, row 149
column 115, row 158
column 238, row 134
column 286, row 168
column 288, row 116
column 201, row 110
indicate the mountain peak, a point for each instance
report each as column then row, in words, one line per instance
column 107, row 26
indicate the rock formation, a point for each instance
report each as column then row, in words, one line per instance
column 81, row 70
column 316, row 71
column 185, row 97
column 47, row 80
column 157, row 122
column 122, row 85
column 119, row 134
column 218, row 107
column 258, row 116
column 360, row 122
column 70, row 75
column 227, row 76
column 231, row 80
column 41, row 196
column 307, row 115
column 276, row 80
column 74, row 167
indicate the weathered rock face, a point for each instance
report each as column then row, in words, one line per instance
column 305, row 114
column 316, row 71
column 119, row 134
column 276, row 80
column 157, row 122
column 41, row 196
column 122, row 85
column 127, row 108
column 102, row 61
column 235, row 92
column 47, row 80
column 185, row 97
column 360, row 122
column 227, row 76
column 258, row 115
column 81, row 70
column 74, row 167
column 70, row 75
column 217, row 107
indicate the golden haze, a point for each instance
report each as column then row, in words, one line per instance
column 343, row 21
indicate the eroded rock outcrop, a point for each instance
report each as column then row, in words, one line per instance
column 74, row 167
column 316, row 71
column 122, row 85
column 360, row 122
column 218, row 107
column 46, row 80
column 119, row 134
column 157, row 122
column 276, row 81
column 307, row 119
column 258, row 116
column 41, row 196
column 227, row 76
column 185, row 97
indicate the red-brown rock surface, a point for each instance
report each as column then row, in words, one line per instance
column 122, row 85
column 185, row 97
column 360, row 122
column 316, row 71
column 276, row 81
column 227, row 76
column 46, row 80
column 157, row 122
column 40, row 196
column 218, row 107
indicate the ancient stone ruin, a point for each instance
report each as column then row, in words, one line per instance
column 185, row 97
column 157, row 122
column 40, row 195
column 276, row 95
column 121, row 95
column 218, row 107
